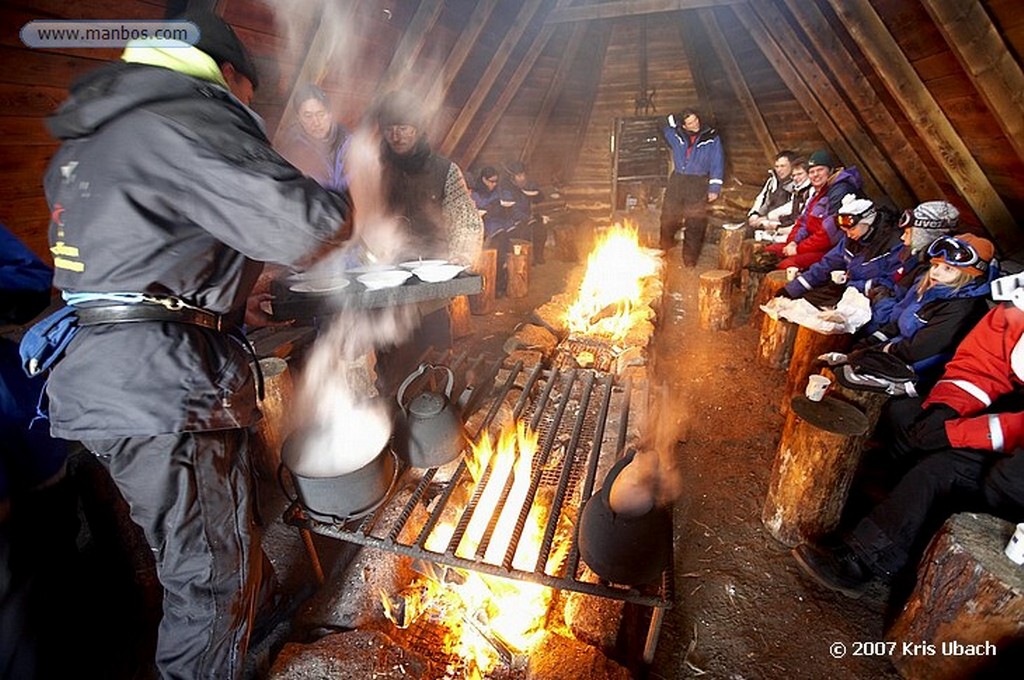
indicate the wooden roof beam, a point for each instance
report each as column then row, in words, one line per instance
column 413, row 39
column 629, row 8
column 457, row 57
column 918, row 104
column 804, row 92
column 472, row 106
column 988, row 61
column 881, row 124
column 573, row 157
column 572, row 48
column 873, row 164
column 739, row 85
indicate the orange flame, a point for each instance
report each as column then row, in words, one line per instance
column 511, row 612
column 613, row 282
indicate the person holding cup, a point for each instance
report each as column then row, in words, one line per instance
column 869, row 248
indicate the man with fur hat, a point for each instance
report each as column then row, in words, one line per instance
column 967, row 445
column 165, row 197
column 869, row 249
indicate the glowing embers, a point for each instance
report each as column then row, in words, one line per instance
column 610, row 299
column 489, row 619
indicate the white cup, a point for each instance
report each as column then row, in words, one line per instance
column 792, row 273
column 517, row 249
column 1015, row 548
column 838, row 277
column 817, row 385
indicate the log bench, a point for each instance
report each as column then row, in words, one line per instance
column 818, row 453
column 808, row 345
column 968, row 593
column 714, row 299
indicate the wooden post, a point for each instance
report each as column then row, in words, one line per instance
column 967, row 592
column 459, row 313
column 272, row 429
column 814, row 466
column 518, row 266
column 487, row 267
column 714, row 298
column 775, row 344
column 808, row 345
column 771, row 284
column 730, row 248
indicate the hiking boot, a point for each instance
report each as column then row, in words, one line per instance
column 837, row 569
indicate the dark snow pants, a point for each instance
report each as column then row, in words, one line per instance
column 191, row 494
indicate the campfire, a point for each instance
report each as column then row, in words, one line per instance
column 488, row 619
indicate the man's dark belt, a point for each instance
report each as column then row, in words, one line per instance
column 143, row 311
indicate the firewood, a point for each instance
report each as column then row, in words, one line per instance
column 531, row 337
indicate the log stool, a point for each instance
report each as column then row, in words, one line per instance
column 518, row 266
column 813, row 469
column 714, row 298
column 750, row 282
column 968, row 593
column 730, row 248
column 458, row 310
column 808, row 345
column 770, row 285
column 487, row 268
column 775, row 344
column 272, row 429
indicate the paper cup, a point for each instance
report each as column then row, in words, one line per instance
column 838, row 277
column 817, row 385
column 792, row 273
column 1015, row 548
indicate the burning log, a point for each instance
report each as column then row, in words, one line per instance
column 714, row 299
column 487, row 268
column 562, row 658
column 817, row 456
column 594, row 620
column 531, row 337
column 967, row 593
column 353, row 654
column 552, row 314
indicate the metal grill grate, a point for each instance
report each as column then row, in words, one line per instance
column 571, row 410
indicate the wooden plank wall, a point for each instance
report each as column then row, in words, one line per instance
column 33, row 82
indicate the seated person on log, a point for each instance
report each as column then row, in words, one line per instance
column 776, row 196
column 965, row 445
column 487, row 197
column 921, row 226
column 523, row 193
column 947, row 300
column 815, row 232
column 869, row 249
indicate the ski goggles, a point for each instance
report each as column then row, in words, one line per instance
column 847, row 221
column 956, row 253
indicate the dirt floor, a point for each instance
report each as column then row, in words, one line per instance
column 742, row 608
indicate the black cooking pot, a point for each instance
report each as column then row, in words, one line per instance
column 619, row 548
column 343, row 497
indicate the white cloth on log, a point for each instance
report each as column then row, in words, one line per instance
column 852, row 312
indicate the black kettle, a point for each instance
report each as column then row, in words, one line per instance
column 629, row 549
column 430, row 431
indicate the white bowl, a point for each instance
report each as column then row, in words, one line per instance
column 437, row 272
column 415, row 264
column 385, row 279
column 320, row 285
column 371, row 268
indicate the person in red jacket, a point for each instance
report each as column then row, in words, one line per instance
column 968, row 440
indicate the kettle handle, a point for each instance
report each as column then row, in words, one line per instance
column 423, row 368
column 408, row 381
column 614, row 473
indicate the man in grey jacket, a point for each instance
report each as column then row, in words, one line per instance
column 165, row 195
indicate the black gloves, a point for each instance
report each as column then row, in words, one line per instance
column 783, row 293
column 928, row 432
column 876, row 293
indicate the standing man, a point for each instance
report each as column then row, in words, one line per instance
column 696, row 180
column 164, row 195
column 441, row 221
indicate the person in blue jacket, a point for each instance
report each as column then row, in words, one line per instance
column 698, row 164
column 869, row 249
column 946, row 302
